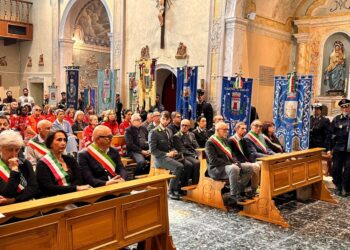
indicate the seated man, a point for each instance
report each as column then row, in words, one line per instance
column 185, row 143
column 255, row 143
column 174, row 126
column 100, row 163
column 136, row 144
column 238, row 149
column 217, row 118
column 201, row 132
column 36, row 147
column 222, row 165
column 155, row 122
column 160, row 143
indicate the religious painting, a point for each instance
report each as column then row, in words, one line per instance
column 335, row 66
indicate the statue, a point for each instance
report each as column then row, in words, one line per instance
column 145, row 53
column 161, row 8
column 3, row 61
column 334, row 76
column 41, row 60
column 181, row 51
column 29, row 63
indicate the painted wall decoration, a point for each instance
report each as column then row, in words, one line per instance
column 106, row 90
column 291, row 111
column 236, row 102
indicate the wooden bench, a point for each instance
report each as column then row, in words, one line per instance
column 207, row 191
column 109, row 224
column 283, row 173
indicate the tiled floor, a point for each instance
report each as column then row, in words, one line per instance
column 314, row 225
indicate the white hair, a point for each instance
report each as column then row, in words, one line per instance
column 219, row 125
column 79, row 112
column 10, row 137
column 135, row 116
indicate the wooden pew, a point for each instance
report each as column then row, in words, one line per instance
column 208, row 190
column 283, row 173
column 109, row 224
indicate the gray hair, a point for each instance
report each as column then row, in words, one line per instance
column 135, row 116
column 239, row 124
column 219, row 125
column 79, row 112
column 59, row 111
column 10, row 137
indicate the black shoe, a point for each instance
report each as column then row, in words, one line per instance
column 182, row 192
column 238, row 198
column 339, row 191
column 174, row 195
column 250, row 194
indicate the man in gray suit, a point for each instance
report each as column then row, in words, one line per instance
column 222, row 164
column 160, row 143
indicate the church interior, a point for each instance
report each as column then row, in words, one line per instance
column 256, row 39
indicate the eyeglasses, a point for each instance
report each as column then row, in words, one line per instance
column 37, row 109
column 137, row 120
column 224, row 129
column 184, row 125
column 106, row 137
column 258, row 126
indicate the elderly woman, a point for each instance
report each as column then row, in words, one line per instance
column 87, row 132
column 17, row 178
column 110, row 121
column 61, row 124
column 58, row 173
column 79, row 123
column 69, row 117
column 271, row 140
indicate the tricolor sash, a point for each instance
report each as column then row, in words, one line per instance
column 274, row 144
column 217, row 141
column 252, row 136
column 61, row 176
column 5, row 174
column 41, row 148
column 238, row 143
column 102, row 158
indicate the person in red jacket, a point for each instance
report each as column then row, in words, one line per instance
column 111, row 121
column 127, row 121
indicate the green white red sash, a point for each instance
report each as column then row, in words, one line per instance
column 5, row 174
column 255, row 138
column 238, row 143
column 274, row 144
column 217, row 141
column 102, row 158
column 61, row 176
column 41, row 148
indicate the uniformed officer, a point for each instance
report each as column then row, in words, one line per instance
column 204, row 108
column 165, row 156
column 319, row 128
column 341, row 151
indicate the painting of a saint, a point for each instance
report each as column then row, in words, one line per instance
column 334, row 75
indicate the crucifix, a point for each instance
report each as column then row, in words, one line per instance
column 161, row 17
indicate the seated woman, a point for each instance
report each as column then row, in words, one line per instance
column 58, row 173
column 17, row 178
column 201, row 132
column 110, row 121
column 69, row 116
column 271, row 140
column 87, row 132
column 79, row 123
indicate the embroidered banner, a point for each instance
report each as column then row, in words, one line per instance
column 236, row 100
column 90, row 97
column 53, row 95
column 72, row 86
column 186, row 92
column 291, row 111
column 106, row 90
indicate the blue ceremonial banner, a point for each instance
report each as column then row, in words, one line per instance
column 236, row 100
column 291, row 111
column 72, row 86
column 106, row 90
column 186, row 92
column 90, row 97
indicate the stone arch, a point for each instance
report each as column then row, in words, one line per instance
column 164, row 75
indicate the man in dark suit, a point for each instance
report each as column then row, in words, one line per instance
column 204, row 108
column 201, row 132
column 100, row 163
column 238, row 149
column 185, row 143
column 223, row 165
column 118, row 108
column 217, row 118
column 174, row 126
column 136, row 137
column 160, row 143
column 255, row 143
column 155, row 122
column 320, row 126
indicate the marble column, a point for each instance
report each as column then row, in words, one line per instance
column 55, row 46
column 66, row 59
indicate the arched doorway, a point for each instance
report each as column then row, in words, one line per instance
column 166, row 88
column 85, row 39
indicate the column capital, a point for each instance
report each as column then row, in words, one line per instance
column 302, row 37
